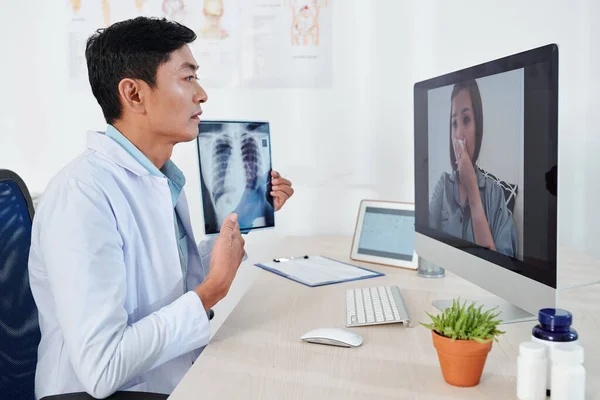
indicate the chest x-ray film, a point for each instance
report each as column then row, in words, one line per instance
column 235, row 169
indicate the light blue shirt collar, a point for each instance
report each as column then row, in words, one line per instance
column 175, row 177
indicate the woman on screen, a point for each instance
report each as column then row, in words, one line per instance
column 465, row 203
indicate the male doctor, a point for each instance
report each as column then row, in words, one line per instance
column 121, row 287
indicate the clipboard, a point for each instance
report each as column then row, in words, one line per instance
column 314, row 271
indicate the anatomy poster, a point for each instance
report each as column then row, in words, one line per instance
column 235, row 167
column 287, row 44
column 241, row 43
column 84, row 18
column 87, row 16
column 217, row 48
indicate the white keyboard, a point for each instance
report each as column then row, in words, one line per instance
column 374, row 306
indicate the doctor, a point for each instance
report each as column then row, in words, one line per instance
column 121, row 287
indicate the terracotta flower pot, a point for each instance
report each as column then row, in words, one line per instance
column 461, row 361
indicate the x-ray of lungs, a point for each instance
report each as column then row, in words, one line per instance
column 235, row 174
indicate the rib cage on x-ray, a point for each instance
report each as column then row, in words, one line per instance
column 235, row 165
column 252, row 160
column 225, row 149
column 222, row 155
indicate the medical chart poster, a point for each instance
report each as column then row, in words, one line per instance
column 241, row 43
column 217, row 49
column 87, row 16
column 287, row 44
column 84, row 17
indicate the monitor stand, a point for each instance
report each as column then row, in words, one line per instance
column 510, row 313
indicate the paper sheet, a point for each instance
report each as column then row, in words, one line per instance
column 317, row 270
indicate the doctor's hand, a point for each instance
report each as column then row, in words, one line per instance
column 226, row 257
column 281, row 190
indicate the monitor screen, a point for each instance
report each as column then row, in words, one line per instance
column 486, row 158
column 235, row 168
column 388, row 233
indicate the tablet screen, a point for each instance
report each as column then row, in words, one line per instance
column 388, row 233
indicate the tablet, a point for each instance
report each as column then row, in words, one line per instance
column 385, row 234
column 234, row 158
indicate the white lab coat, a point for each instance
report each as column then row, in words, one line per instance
column 106, row 276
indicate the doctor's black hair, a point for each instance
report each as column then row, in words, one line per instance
column 134, row 49
column 473, row 89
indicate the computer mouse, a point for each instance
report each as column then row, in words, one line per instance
column 333, row 337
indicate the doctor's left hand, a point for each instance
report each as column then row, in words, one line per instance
column 281, row 190
column 227, row 254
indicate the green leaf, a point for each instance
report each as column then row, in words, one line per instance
column 464, row 321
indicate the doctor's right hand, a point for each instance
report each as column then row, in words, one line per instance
column 226, row 257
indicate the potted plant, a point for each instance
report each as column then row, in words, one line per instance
column 463, row 338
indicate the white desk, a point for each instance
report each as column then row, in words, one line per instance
column 257, row 353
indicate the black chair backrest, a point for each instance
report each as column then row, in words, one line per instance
column 116, row 396
column 19, row 326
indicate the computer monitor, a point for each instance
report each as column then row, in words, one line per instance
column 235, row 174
column 486, row 155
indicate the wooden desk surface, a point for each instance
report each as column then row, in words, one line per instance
column 258, row 354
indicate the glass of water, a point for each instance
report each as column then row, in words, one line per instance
column 430, row 270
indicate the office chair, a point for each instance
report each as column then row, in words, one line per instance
column 116, row 396
column 19, row 326
column 19, row 329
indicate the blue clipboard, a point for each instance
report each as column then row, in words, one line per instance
column 273, row 267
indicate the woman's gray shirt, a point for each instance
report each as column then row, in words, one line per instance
column 447, row 215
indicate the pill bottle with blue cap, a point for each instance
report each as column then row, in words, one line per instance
column 554, row 329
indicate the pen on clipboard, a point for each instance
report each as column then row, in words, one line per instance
column 288, row 259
